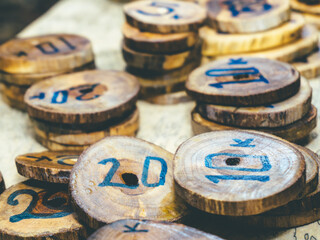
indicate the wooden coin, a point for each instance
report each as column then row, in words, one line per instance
column 54, row 146
column 14, row 103
column 301, row 6
column 274, row 115
column 247, row 16
column 156, row 62
column 169, row 98
column 135, row 229
column 47, row 166
column 237, row 173
column 312, row 19
column 127, row 127
column 30, row 210
column 157, row 43
column 45, row 54
column 309, row 66
column 84, row 97
column 2, row 184
column 165, row 16
column 243, row 82
column 130, row 176
column 216, row 43
column 294, row 132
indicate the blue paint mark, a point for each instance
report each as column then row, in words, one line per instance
column 66, row 157
column 57, row 94
column 162, row 178
column 21, row 53
column 266, row 166
column 269, row 106
column 168, row 6
column 241, row 6
column 42, row 47
column 84, row 90
column 39, row 159
column 240, row 143
column 216, row 179
column 134, row 229
column 72, row 47
column 40, row 96
column 237, row 61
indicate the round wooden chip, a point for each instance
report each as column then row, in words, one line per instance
column 159, row 62
column 243, row 82
column 247, row 16
column 216, row 43
column 14, row 103
column 312, row 19
column 251, row 173
column 15, row 92
column 85, row 97
column 2, row 184
column 127, row 127
column 294, row 132
column 165, row 16
column 301, row 6
column 157, row 43
column 31, row 211
column 47, row 166
column 135, row 229
column 45, row 54
column 123, row 177
column 274, row 115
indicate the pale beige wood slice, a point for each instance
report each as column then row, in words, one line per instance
column 135, row 229
column 294, row 132
column 275, row 115
column 247, row 16
column 165, row 16
column 54, row 146
column 157, row 43
column 169, row 98
column 122, row 177
column 301, row 6
column 35, row 211
column 47, row 166
column 216, row 43
column 2, row 184
column 45, row 54
column 243, row 82
column 312, row 19
column 238, row 173
column 84, row 97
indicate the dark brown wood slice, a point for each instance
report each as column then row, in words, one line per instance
column 2, row 184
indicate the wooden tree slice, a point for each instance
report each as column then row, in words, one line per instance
column 169, row 98
column 309, row 66
column 275, row 115
column 132, row 177
column 157, row 43
column 30, row 211
column 301, row 6
column 85, row 97
column 45, row 54
column 247, row 16
column 238, row 173
column 14, row 103
column 15, row 92
column 47, row 166
column 2, row 184
column 215, row 43
column 127, row 127
column 135, row 229
column 243, row 82
column 294, row 132
column 165, row 16
column 312, row 19
column 54, row 146
column 162, row 62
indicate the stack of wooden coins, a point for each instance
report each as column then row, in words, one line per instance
column 259, row 29
column 73, row 111
column 252, row 93
column 253, row 177
column 161, row 45
column 36, row 209
column 24, row 62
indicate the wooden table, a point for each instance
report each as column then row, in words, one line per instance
column 167, row 126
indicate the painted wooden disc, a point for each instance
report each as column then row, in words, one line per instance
column 309, row 66
column 45, row 54
column 135, row 229
column 274, row 115
column 165, row 16
column 2, row 184
column 247, row 16
column 238, row 173
column 294, row 132
column 169, row 98
column 131, row 177
column 301, row 6
column 157, row 43
column 216, row 43
column 47, row 166
column 126, row 127
column 29, row 210
column 243, row 82
column 84, row 97
column 159, row 62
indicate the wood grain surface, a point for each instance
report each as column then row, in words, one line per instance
column 312, row 19
column 130, row 177
column 169, row 98
column 165, row 16
column 47, row 166
column 247, row 16
column 301, row 6
column 45, row 54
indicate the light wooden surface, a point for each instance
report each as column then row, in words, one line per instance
column 167, row 126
